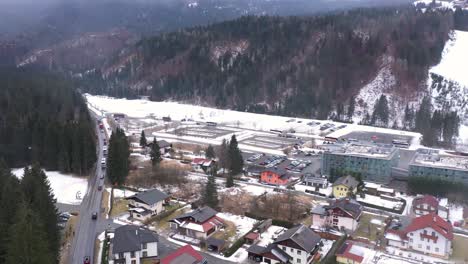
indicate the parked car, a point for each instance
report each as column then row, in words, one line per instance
column 94, row 216
column 87, row 260
column 99, row 188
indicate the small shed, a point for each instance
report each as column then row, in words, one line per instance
column 252, row 238
column 215, row 245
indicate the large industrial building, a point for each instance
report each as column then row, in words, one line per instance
column 433, row 164
column 373, row 161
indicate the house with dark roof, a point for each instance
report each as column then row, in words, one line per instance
column 184, row 255
column 133, row 245
column 315, row 180
column 146, row 204
column 164, row 146
column 296, row 245
column 427, row 204
column 341, row 214
column 344, row 185
column 198, row 224
column 275, row 176
column 428, row 234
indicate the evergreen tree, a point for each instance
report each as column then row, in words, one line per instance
column 155, row 153
column 143, row 142
column 351, row 107
column 230, row 181
column 210, row 195
column 38, row 195
column 118, row 157
column 236, row 162
column 210, row 153
column 28, row 243
column 380, row 115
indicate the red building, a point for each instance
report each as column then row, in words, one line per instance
column 274, row 176
column 185, row 254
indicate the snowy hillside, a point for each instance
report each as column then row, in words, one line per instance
column 448, row 81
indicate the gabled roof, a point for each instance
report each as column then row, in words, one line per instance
column 272, row 251
column 348, row 181
column 303, row 236
column 433, row 221
column 348, row 205
column 199, row 215
column 426, row 199
column 150, row 196
column 183, row 255
column 129, row 238
column 163, row 144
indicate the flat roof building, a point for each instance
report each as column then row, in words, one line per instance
column 373, row 161
column 433, row 164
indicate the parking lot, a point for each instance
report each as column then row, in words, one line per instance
column 376, row 137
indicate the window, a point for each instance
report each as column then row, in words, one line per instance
column 298, row 252
column 132, row 254
column 410, row 240
column 428, row 247
column 133, row 261
column 145, row 246
column 419, row 246
column 298, row 260
column 284, row 248
column 436, row 249
column 411, row 234
column 121, row 255
column 145, row 254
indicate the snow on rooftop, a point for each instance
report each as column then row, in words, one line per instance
column 67, row 189
column 445, row 161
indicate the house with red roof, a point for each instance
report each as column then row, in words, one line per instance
column 198, row 224
column 203, row 165
column 185, row 255
column 429, row 234
column 349, row 253
column 428, row 204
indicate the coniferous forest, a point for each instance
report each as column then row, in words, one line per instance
column 28, row 218
column 44, row 120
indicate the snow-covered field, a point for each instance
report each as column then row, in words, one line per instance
column 67, row 189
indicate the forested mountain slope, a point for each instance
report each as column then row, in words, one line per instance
column 45, row 120
column 309, row 66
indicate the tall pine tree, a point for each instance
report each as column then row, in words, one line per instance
column 155, row 153
column 236, row 162
column 143, row 142
column 210, row 153
column 210, row 195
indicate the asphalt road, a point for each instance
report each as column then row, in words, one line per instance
column 87, row 229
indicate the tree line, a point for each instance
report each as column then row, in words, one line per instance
column 44, row 120
column 118, row 158
column 29, row 233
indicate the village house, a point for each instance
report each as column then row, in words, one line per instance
column 197, row 225
column 427, row 204
column 345, row 185
column 428, row 234
column 133, row 245
column 203, row 165
column 341, row 214
column 315, row 180
column 184, row 255
column 274, row 176
column 351, row 253
column 164, row 146
column 296, row 245
column 144, row 205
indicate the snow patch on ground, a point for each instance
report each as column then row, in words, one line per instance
column 67, row 189
column 121, row 193
column 243, row 224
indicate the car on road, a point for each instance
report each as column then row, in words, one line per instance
column 99, row 188
column 87, row 260
column 103, row 163
column 102, row 176
column 94, row 216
